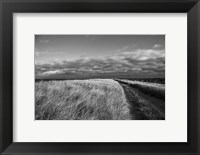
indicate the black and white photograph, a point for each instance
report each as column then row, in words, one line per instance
column 99, row 77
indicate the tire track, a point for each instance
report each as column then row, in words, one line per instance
column 143, row 106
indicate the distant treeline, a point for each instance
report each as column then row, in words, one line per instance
column 154, row 80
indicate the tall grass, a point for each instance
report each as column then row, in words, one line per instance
column 102, row 99
column 146, row 99
column 154, row 89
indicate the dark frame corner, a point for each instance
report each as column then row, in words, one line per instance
column 8, row 7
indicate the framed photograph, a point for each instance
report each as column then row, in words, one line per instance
column 99, row 77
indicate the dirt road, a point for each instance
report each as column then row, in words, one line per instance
column 143, row 106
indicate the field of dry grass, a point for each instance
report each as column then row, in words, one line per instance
column 147, row 100
column 99, row 99
column 102, row 99
column 154, row 89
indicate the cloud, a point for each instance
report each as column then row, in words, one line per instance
column 37, row 54
column 141, row 61
column 53, row 72
column 122, row 49
column 44, row 40
column 47, row 52
column 142, row 54
column 157, row 46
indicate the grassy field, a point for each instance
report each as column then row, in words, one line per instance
column 145, row 99
column 80, row 100
column 154, row 89
column 99, row 99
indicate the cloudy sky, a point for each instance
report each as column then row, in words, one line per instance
column 99, row 56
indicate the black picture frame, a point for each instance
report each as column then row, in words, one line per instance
column 8, row 7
